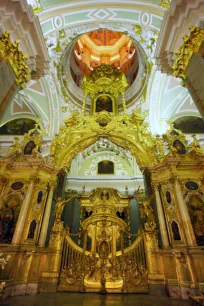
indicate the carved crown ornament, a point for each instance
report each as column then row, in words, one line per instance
column 10, row 52
column 190, row 45
column 106, row 79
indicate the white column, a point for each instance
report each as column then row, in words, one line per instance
column 43, row 232
column 23, row 215
column 185, row 216
column 162, row 224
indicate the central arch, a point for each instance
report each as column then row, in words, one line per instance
column 127, row 131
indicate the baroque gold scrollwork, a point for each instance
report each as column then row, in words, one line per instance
column 128, row 131
column 10, row 51
column 191, row 44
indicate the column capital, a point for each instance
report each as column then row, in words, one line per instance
column 4, row 179
column 33, row 179
column 155, row 185
column 52, row 185
column 175, row 180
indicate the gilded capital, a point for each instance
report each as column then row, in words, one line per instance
column 155, row 185
column 52, row 185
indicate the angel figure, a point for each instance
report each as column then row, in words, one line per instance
column 195, row 146
column 148, row 213
column 160, row 146
column 15, row 148
column 147, row 209
column 59, row 207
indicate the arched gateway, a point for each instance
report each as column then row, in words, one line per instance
column 108, row 265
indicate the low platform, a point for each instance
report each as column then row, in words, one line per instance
column 89, row 299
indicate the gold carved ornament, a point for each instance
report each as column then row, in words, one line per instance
column 105, row 79
column 190, row 46
column 10, row 51
column 165, row 4
column 127, row 131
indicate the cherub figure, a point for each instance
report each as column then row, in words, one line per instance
column 15, row 148
column 195, row 146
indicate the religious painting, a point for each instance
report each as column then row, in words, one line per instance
column 17, row 185
column 175, row 231
column 191, row 185
column 31, row 233
column 168, row 197
column 104, row 102
column 8, row 218
column 190, row 124
column 179, row 146
column 106, row 167
column 174, row 133
column 196, row 211
column 29, row 147
column 39, row 197
column 103, row 249
column 17, row 127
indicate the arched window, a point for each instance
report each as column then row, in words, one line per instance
column 31, row 233
column 106, row 167
column 39, row 198
column 196, row 211
column 17, row 127
column 175, row 231
column 190, row 124
column 168, row 197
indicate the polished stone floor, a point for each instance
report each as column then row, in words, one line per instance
column 89, row 299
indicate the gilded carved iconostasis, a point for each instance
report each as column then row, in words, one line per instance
column 101, row 147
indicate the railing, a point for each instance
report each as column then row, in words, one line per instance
column 72, row 252
column 139, row 253
column 196, row 300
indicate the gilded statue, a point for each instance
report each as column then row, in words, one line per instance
column 72, row 120
column 15, row 149
column 195, row 147
column 160, row 146
column 191, row 44
column 59, row 207
column 137, row 117
column 18, row 61
column 148, row 213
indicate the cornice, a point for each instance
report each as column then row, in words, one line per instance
column 27, row 30
column 75, row 5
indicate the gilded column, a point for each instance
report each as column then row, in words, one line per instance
column 46, row 217
column 113, row 241
column 185, row 216
column 3, row 182
column 23, row 215
column 85, row 241
column 122, row 242
column 162, row 223
column 93, row 243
